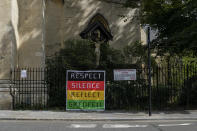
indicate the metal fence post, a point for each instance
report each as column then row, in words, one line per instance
column 149, row 72
column 187, row 85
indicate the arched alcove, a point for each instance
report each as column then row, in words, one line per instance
column 97, row 27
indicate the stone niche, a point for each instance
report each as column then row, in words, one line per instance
column 68, row 20
column 97, row 30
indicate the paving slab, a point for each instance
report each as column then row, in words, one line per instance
column 96, row 116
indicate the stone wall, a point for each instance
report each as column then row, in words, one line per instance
column 66, row 21
column 21, row 40
column 5, row 38
column 23, row 29
column 21, row 35
column 30, row 28
column 6, row 35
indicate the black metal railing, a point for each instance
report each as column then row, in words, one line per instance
column 173, row 87
column 30, row 90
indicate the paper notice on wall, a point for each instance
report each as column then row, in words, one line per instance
column 124, row 74
column 23, row 73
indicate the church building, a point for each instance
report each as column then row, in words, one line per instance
column 31, row 30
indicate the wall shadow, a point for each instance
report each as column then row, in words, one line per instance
column 8, row 42
column 66, row 21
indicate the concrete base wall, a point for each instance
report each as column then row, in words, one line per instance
column 5, row 97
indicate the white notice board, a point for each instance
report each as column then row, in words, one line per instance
column 124, row 74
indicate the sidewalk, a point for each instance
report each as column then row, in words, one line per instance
column 96, row 116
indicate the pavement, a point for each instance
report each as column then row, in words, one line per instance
column 96, row 116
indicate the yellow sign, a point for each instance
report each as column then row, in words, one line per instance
column 85, row 95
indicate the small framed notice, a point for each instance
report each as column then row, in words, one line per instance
column 124, row 74
column 23, row 73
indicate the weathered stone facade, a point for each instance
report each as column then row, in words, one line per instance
column 33, row 29
column 5, row 37
column 30, row 30
column 21, row 42
column 30, row 22
column 66, row 21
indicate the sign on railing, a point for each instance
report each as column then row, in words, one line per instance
column 85, row 90
column 124, row 74
column 23, row 73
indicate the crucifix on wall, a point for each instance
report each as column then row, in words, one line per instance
column 97, row 31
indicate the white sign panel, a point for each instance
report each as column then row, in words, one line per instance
column 23, row 73
column 124, row 74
